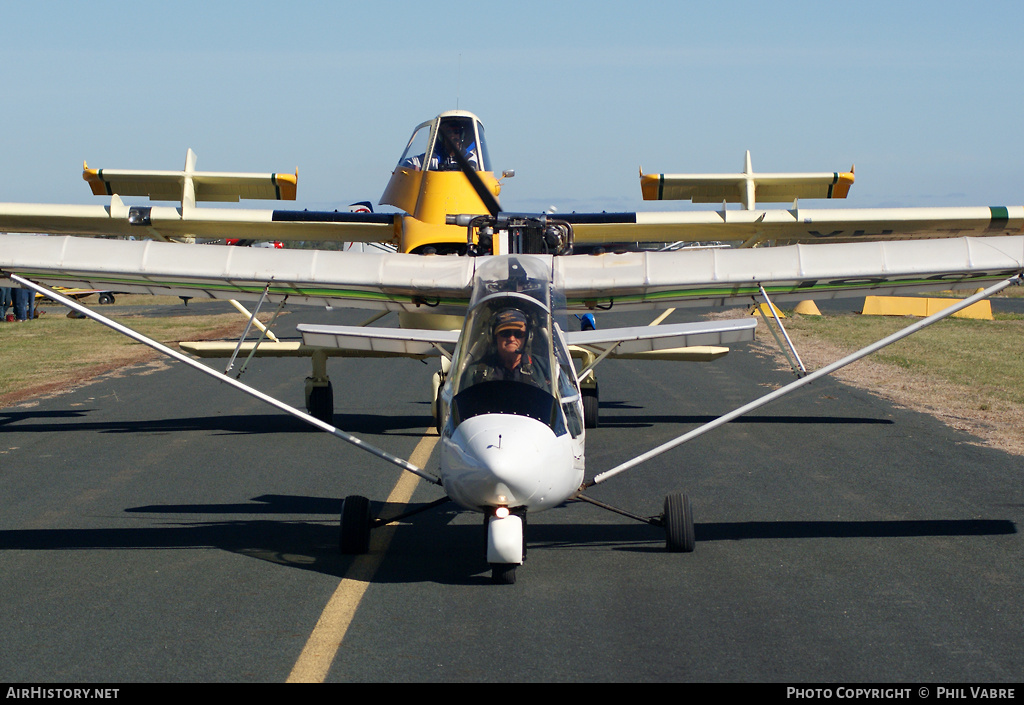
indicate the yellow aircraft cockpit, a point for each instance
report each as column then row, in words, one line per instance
column 428, row 183
column 427, row 150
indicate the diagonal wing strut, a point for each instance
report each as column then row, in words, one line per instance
column 782, row 391
column 251, row 391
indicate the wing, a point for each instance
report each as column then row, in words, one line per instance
column 386, row 281
column 171, row 223
column 750, row 227
column 792, row 273
column 400, row 282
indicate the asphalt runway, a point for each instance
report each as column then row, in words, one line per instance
column 157, row 526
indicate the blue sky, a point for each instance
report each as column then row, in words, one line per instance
column 925, row 98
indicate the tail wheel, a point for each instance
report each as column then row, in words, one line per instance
column 678, row 521
column 355, row 525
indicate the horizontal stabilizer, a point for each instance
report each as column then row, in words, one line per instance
column 747, row 188
column 677, row 335
column 401, row 341
column 190, row 185
column 694, row 353
column 217, row 349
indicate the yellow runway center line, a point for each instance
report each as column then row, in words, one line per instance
column 323, row 644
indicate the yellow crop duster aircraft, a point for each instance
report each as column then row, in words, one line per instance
column 429, row 187
column 512, row 408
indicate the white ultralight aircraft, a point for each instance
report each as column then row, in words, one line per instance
column 512, row 433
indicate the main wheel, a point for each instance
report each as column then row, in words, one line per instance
column 503, row 573
column 678, row 520
column 106, row 298
column 437, row 381
column 590, row 406
column 320, row 404
column 355, row 525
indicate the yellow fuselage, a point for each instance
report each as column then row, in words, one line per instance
column 429, row 196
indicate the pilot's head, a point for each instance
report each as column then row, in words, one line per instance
column 510, row 334
column 454, row 133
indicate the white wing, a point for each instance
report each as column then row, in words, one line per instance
column 443, row 284
column 356, row 279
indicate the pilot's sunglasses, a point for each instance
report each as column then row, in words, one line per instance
column 510, row 332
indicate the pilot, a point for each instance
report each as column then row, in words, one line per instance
column 509, row 360
column 445, row 161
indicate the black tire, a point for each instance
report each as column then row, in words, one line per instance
column 678, row 520
column 320, row 404
column 437, row 382
column 354, row 539
column 106, row 298
column 590, row 406
column 503, row 573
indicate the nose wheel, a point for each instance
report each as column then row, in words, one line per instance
column 503, row 573
column 506, row 546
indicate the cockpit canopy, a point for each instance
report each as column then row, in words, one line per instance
column 530, row 276
column 502, row 285
column 427, row 150
column 511, row 301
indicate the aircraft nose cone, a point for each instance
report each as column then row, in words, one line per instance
column 512, row 454
column 507, row 459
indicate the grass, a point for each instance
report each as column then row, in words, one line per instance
column 981, row 355
column 54, row 350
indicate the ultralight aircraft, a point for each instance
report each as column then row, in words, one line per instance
column 512, row 409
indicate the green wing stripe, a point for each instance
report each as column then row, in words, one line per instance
column 255, row 289
column 1000, row 217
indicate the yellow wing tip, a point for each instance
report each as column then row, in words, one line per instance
column 650, row 186
column 842, row 187
column 93, row 177
column 288, row 185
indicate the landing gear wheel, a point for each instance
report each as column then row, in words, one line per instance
column 503, row 573
column 320, row 403
column 106, row 298
column 678, row 521
column 435, row 405
column 355, row 526
column 590, row 406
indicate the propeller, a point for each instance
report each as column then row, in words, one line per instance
column 489, row 199
column 536, row 233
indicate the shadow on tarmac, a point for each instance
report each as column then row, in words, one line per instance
column 438, row 551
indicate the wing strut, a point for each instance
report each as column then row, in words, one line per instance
column 782, row 391
column 251, row 391
column 799, row 363
column 265, row 333
column 252, row 317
